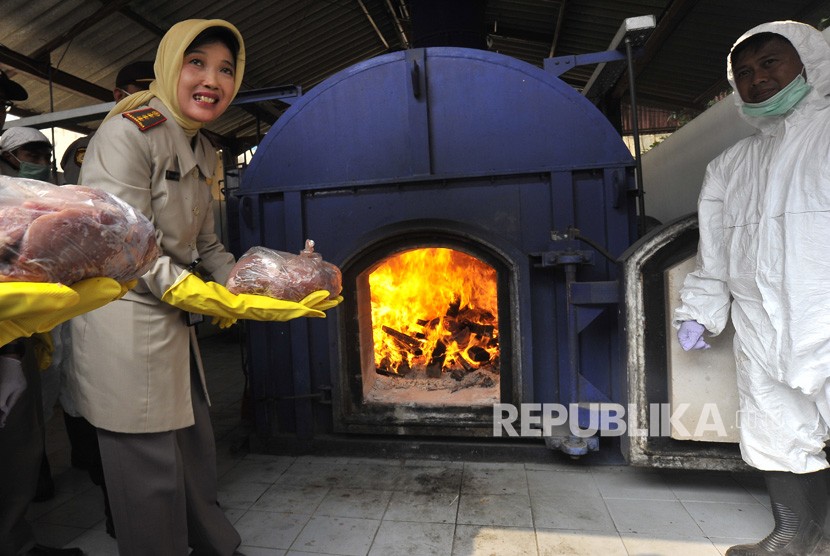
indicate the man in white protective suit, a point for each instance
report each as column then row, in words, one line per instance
column 764, row 217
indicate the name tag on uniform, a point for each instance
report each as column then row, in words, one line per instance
column 172, row 175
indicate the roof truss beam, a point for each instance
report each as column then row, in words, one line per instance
column 109, row 7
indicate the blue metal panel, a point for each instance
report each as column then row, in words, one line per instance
column 486, row 114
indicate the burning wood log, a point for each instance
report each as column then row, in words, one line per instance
column 461, row 337
column 382, row 368
column 478, row 354
column 430, row 324
column 387, row 368
column 463, row 362
column 404, row 369
column 485, row 330
column 471, row 329
column 436, row 360
column 406, row 341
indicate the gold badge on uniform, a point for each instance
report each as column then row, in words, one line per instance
column 79, row 155
column 145, row 118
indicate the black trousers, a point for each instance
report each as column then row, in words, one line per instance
column 21, row 449
column 162, row 488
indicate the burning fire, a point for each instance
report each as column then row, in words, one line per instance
column 434, row 309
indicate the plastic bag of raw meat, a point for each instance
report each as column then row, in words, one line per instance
column 65, row 234
column 284, row 275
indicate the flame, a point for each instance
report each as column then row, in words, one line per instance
column 430, row 296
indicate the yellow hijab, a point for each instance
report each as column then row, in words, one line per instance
column 168, row 65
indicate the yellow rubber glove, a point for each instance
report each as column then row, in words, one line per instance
column 19, row 299
column 90, row 294
column 193, row 294
column 319, row 300
column 223, row 323
column 44, row 348
column 315, row 300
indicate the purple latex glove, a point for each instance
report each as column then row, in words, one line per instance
column 690, row 335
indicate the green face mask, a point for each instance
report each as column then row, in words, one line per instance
column 33, row 171
column 781, row 102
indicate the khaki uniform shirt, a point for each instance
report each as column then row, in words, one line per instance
column 130, row 365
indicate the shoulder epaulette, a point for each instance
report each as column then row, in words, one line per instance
column 145, row 118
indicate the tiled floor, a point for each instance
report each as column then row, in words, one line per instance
column 292, row 506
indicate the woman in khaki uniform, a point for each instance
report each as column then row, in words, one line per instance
column 132, row 375
column 137, row 375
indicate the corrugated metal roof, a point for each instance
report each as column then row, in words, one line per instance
column 81, row 44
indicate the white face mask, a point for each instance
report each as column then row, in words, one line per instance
column 783, row 101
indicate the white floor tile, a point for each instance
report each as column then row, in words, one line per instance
column 258, row 470
column 707, row 487
column 581, row 513
column 239, row 494
column 731, row 520
column 667, row 545
column 372, row 476
column 397, row 538
column 233, row 514
column 438, row 507
column 564, row 484
column 337, row 535
column 723, row 544
column 652, row 516
column 510, row 510
column 295, row 499
column 480, row 479
column 315, row 473
column 579, row 543
column 270, row 529
column 630, row 483
column 474, row 540
column 370, row 504
column 430, row 479
column 755, row 485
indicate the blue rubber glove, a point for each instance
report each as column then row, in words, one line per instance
column 690, row 335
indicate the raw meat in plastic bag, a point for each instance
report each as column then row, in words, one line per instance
column 65, row 234
column 282, row 275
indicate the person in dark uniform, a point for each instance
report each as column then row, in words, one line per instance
column 25, row 152
column 21, row 424
column 132, row 78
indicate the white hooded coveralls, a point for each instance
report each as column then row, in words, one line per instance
column 764, row 217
